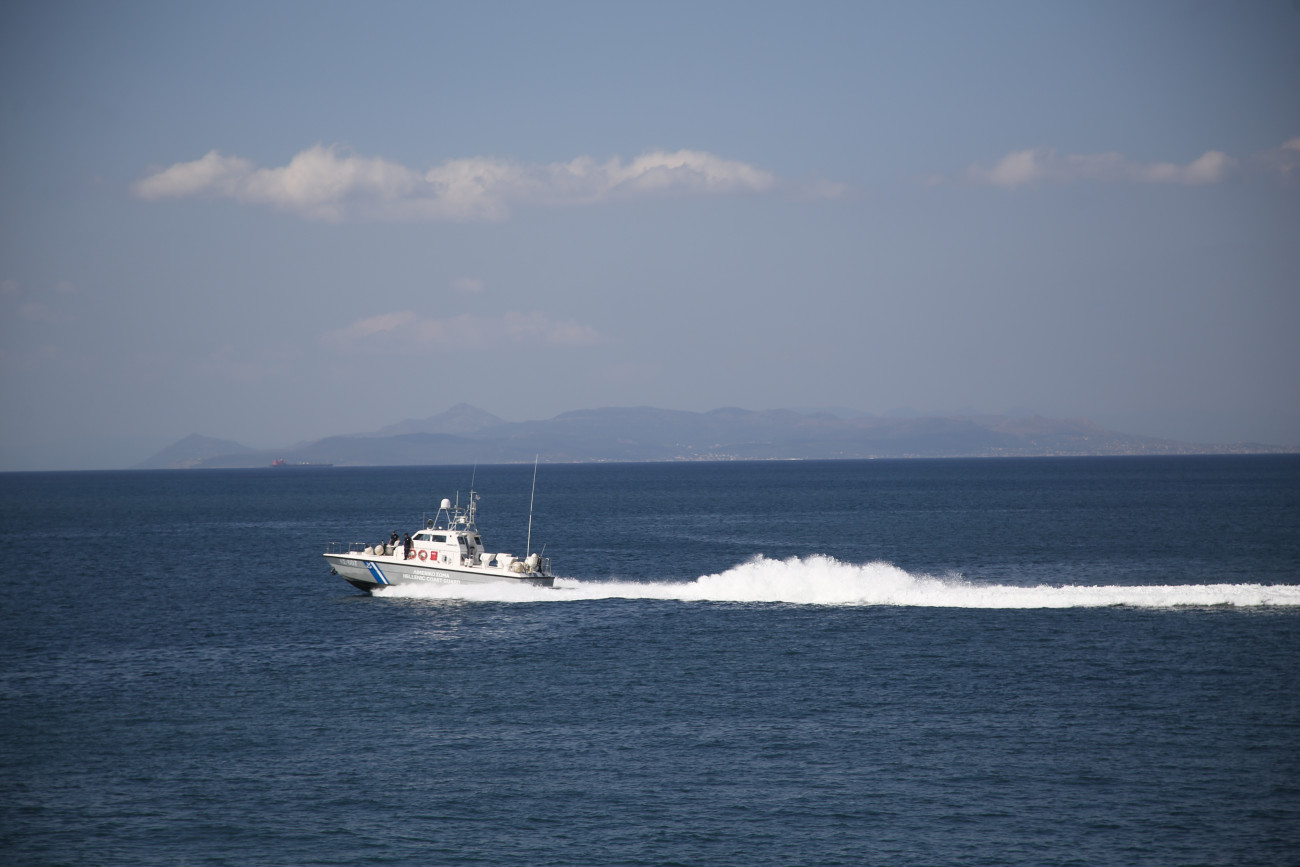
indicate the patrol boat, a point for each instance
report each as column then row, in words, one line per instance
column 448, row 550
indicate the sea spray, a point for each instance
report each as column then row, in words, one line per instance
column 822, row 580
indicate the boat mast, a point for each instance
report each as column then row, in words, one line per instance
column 473, row 497
column 528, row 547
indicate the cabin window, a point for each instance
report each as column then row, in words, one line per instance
column 421, row 537
column 438, row 538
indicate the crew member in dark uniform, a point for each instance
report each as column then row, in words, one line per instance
column 406, row 547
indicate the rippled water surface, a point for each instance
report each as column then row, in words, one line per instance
column 906, row 662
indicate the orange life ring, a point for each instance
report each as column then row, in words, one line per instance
column 423, row 555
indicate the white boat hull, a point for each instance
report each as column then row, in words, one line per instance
column 370, row 571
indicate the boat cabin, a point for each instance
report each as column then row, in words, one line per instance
column 443, row 546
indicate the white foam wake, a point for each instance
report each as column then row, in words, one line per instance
column 822, row 580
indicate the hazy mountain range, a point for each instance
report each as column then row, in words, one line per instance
column 465, row 434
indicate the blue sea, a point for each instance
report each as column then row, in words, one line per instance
column 984, row 662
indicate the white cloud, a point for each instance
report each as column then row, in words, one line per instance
column 211, row 174
column 363, row 328
column 330, row 183
column 1046, row 165
column 1209, row 168
column 407, row 331
column 317, row 182
column 1281, row 161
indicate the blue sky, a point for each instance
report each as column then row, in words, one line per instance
column 278, row 221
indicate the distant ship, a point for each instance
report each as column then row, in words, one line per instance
column 281, row 462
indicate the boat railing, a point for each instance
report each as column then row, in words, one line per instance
column 345, row 547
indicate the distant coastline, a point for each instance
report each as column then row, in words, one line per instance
column 466, row 435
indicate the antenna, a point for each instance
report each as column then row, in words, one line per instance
column 528, row 548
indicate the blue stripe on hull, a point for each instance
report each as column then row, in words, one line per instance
column 374, row 570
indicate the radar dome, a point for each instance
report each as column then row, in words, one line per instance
column 446, row 503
